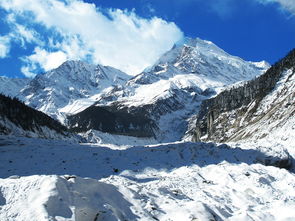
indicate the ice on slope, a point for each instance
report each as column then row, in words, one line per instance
column 179, row 181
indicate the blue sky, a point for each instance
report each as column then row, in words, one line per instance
column 38, row 35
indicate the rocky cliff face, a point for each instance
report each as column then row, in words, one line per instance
column 230, row 115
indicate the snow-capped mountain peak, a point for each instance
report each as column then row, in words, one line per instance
column 174, row 87
column 190, row 72
column 203, row 57
column 70, row 82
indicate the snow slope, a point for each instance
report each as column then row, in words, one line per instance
column 39, row 131
column 54, row 180
column 12, row 86
column 197, row 65
column 18, row 119
column 265, row 118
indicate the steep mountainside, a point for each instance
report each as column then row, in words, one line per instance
column 261, row 108
column 18, row 119
column 12, row 86
column 70, row 88
column 170, row 91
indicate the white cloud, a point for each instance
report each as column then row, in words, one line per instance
column 223, row 8
column 25, row 35
column 111, row 37
column 44, row 59
column 288, row 5
column 4, row 46
column 19, row 34
column 26, row 70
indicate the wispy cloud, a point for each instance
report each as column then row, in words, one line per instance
column 42, row 59
column 226, row 8
column 288, row 5
column 223, row 8
column 4, row 46
column 73, row 29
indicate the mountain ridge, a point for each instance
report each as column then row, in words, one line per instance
column 172, row 88
column 187, row 74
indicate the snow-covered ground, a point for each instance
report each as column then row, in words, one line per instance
column 115, row 141
column 57, row 180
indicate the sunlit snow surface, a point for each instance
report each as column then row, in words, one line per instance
column 58, row 180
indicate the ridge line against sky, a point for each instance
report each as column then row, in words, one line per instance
column 39, row 35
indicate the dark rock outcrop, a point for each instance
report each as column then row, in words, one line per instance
column 242, row 101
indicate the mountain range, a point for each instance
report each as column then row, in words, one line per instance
column 156, row 103
column 199, row 135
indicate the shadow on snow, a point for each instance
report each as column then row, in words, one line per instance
column 25, row 157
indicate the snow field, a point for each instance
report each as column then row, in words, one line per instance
column 58, row 180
